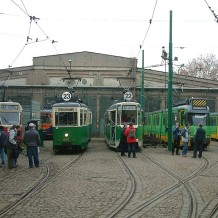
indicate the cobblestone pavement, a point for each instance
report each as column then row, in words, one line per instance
column 99, row 183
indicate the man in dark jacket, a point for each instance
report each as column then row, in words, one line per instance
column 199, row 137
column 123, row 141
column 176, row 139
column 32, row 140
column 3, row 137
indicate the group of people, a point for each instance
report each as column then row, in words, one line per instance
column 10, row 145
column 184, row 135
column 128, row 142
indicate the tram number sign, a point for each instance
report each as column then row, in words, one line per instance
column 66, row 96
column 128, row 96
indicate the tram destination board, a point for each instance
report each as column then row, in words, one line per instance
column 199, row 104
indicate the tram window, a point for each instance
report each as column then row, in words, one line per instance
column 113, row 113
column 163, row 120
column 85, row 118
column 139, row 118
column 45, row 119
column 213, row 121
column 195, row 119
column 81, row 118
column 158, row 120
column 124, row 117
column 129, row 114
column 9, row 118
column 65, row 118
column 118, row 117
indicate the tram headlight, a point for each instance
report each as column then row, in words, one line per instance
column 66, row 134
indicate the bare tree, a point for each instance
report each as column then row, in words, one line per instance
column 202, row 67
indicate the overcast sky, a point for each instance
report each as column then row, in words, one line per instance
column 115, row 27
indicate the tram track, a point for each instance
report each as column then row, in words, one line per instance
column 192, row 205
column 104, row 184
column 166, row 193
column 131, row 192
column 48, row 176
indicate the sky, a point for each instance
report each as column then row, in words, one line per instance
column 115, row 27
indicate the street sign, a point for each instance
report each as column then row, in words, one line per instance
column 66, row 96
column 128, row 96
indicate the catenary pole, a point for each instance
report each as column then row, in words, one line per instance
column 170, row 86
column 142, row 85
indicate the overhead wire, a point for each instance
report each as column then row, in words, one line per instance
column 25, row 8
column 17, row 56
column 35, row 19
column 20, row 8
column 150, row 22
column 212, row 11
column 52, row 42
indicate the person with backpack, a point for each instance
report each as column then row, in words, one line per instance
column 130, row 133
column 185, row 138
column 3, row 137
column 199, row 138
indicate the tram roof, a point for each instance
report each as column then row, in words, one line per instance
column 114, row 105
column 69, row 104
column 46, row 110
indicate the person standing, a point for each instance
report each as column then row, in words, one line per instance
column 3, row 137
column 123, row 141
column 199, row 138
column 176, row 139
column 11, row 146
column 32, row 140
column 130, row 133
column 185, row 138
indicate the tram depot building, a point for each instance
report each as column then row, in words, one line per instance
column 99, row 80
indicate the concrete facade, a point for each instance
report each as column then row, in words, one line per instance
column 102, row 80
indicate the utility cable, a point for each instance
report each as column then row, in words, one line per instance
column 20, row 8
column 35, row 19
column 213, row 12
column 52, row 42
column 150, row 22
column 18, row 55
column 25, row 8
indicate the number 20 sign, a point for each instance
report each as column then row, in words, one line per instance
column 66, row 96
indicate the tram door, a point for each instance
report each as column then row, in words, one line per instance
column 112, row 119
column 181, row 118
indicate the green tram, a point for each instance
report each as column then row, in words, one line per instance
column 193, row 111
column 71, row 126
column 214, row 125
column 119, row 114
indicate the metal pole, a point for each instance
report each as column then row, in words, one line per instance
column 170, row 87
column 142, row 86
column 165, row 88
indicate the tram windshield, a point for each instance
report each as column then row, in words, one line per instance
column 11, row 118
column 45, row 118
column 66, row 119
column 196, row 119
column 129, row 114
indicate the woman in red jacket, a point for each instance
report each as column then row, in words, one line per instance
column 130, row 133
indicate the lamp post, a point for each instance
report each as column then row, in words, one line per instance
column 165, row 58
column 170, row 83
column 142, row 85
